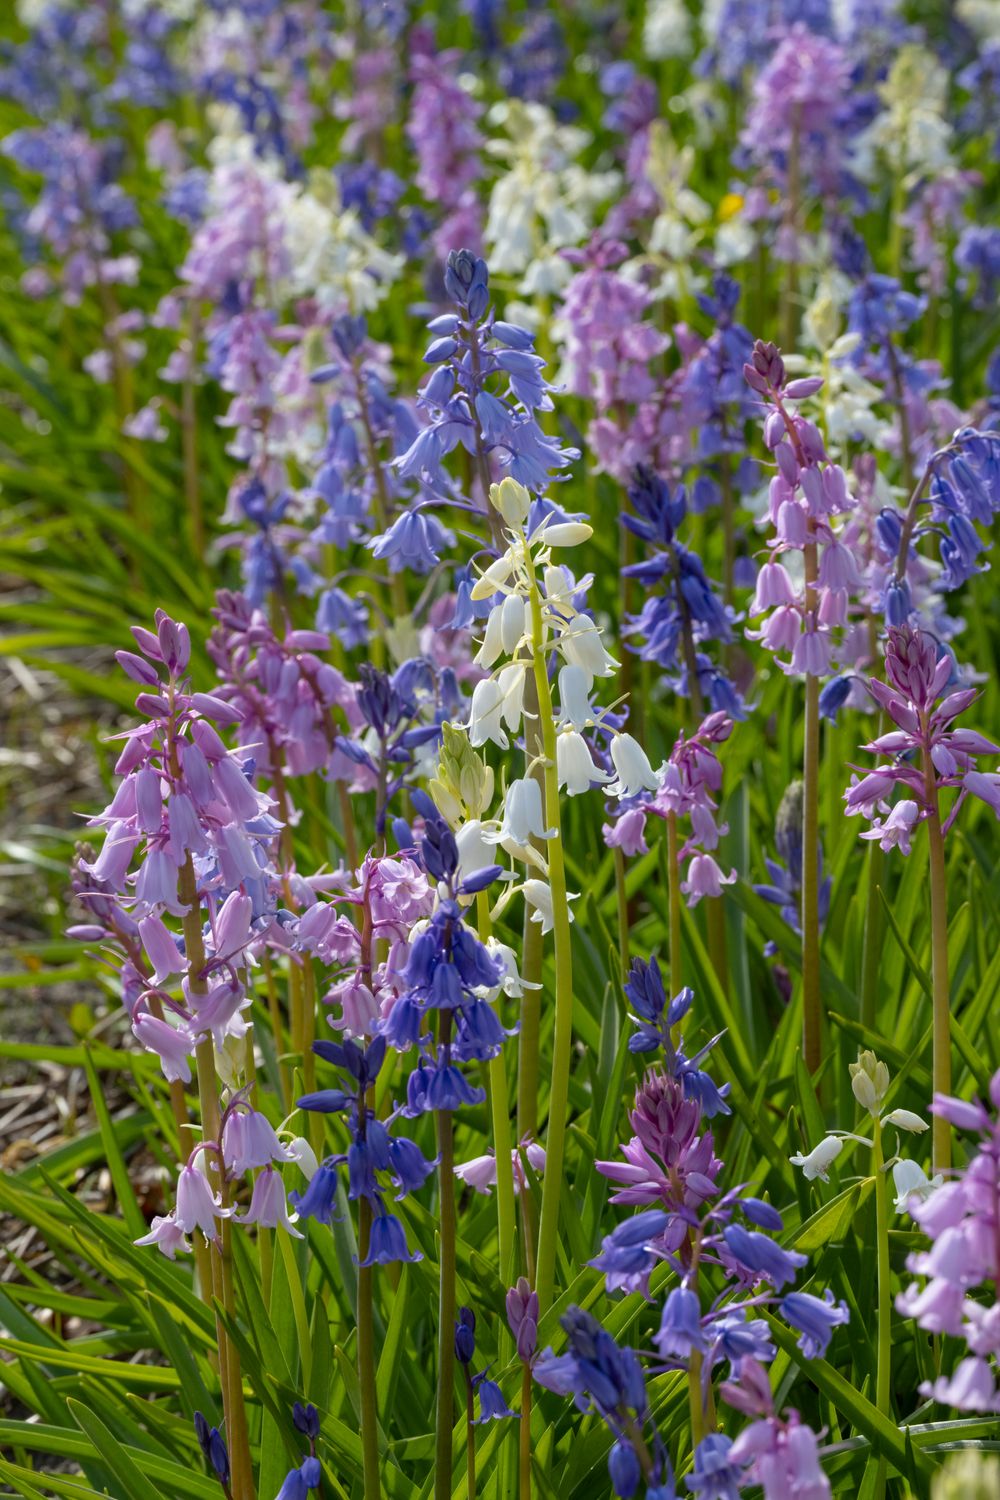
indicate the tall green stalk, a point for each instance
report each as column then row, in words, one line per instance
column 366, row 1359
column 445, row 1406
column 884, row 1366
column 502, row 1144
column 674, row 904
column 811, row 1005
column 555, row 1144
column 941, row 1023
column 222, row 1287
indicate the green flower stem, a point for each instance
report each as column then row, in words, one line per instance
column 548, row 1231
column 221, row 1287
column 883, row 1371
column 383, row 508
column 529, row 1050
column 811, row 1004
column 366, row 1314
column 444, row 1416
column 502, row 1145
column 524, row 1454
column 366, row 1359
column 941, row 1064
column 674, row 905
column 623, row 922
column 470, row 1437
column 871, row 952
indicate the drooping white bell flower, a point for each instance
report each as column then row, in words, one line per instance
column 635, row 774
column 575, row 707
column 575, row 764
column 523, row 819
column 817, row 1162
column 538, row 895
column 582, row 646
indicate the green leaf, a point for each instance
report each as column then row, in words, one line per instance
column 884, row 1436
column 114, row 1455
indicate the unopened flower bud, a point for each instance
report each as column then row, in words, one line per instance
column 869, row 1081
column 512, row 500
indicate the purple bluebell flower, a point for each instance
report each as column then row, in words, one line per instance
column 754, row 1256
column 680, row 1328
column 814, row 1318
column 656, row 1019
column 447, row 970
column 387, row 1243
column 959, row 1272
column 918, row 672
column 465, row 1336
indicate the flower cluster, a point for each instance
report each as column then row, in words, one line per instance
column 373, row 1149
column 484, row 392
column 917, row 676
column 449, row 974
column 685, row 613
column 958, row 1297
column 187, row 806
column 805, row 495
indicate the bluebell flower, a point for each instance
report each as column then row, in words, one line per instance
column 764, row 1215
column 447, row 970
column 755, row 1256
column 317, row 1202
column 305, row 1417
column 484, row 392
column 339, row 615
column 213, row 1446
column 734, row 1336
column 714, row 1477
column 373, row 1149
column 680, row 1328
column 415, row 540
column 629, row 1253
column 387, row 1243
column 683, row 612
column 491, row 1402
column 465, row 1336
column 655, row 1019
column 833, row 695
column 300, row 1481
column 978, row 255
column 624, row 1468
column 815, row 1318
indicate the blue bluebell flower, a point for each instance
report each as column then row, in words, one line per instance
column 683, row 611
column 815, row 1318
column 491, row 1402
column 387, row 1243
column 714, row 1476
